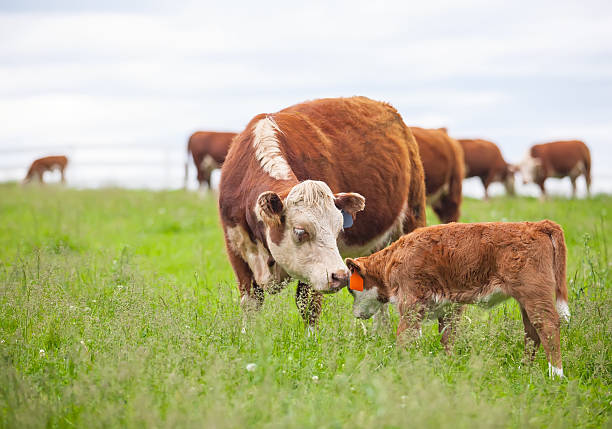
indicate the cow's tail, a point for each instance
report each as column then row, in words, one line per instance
column 187, row 163
column 557, row 239
column 587, row 168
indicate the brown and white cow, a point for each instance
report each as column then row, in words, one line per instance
column 483, row 159
column 49, row 163
column 208, row 150
column 294, row 180
column 442, row 159
column 570, row 158
column 427, row 271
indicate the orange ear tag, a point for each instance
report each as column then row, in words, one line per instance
column 356, row 282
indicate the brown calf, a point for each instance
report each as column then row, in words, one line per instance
column 293, row 183
column 208, row 150
column 557, row 159
column 483, row 159
column 480, row 263
column 42, row 165
column 442, row 159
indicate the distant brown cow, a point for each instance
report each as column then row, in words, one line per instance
column 557, row 159
column 42, row 165
column 293, row 183
column 428, row 270
column 208, row 150
column 442, row 159
column 483, row 159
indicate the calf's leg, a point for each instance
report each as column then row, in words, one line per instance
column 532, row 340
column 543, row 316
column 447, row 326
column 411, row 313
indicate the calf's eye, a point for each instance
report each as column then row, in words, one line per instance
column 300, row 235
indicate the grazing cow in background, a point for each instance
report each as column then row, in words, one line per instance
column 570, row 158
column 208, row 150
column 433, row 268
column 293, row 183
column 484, row 159
column 42, row 165
column 442, row 159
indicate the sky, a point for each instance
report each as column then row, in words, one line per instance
column 117, row 82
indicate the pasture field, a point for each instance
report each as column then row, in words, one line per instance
column 118, row 309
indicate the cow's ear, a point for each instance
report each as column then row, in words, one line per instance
column 355, row 266
column 350, row 202
column 270, row 208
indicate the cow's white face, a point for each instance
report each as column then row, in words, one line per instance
column 302, row 230
column 529, row 167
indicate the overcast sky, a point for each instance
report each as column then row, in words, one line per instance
column 78, row 73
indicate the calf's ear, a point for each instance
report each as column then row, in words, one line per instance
column 350, row 202
column 270, row 208
column 355, row 266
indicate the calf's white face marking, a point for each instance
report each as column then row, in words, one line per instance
column 365, row 303
column 302, row 231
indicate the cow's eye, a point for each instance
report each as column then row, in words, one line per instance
column 300, row 235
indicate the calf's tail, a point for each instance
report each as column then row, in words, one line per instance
column 557, row 239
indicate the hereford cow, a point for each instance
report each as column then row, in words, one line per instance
column 433, row 268
column 42, row 165
column 442, row 159
column 208, row 150
column 557, row 159
column 484, row 159
column 294, row 181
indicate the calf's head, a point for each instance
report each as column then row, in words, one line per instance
column 302, row 230
column 368, row 300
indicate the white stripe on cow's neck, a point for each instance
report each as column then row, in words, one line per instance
column 267, row 149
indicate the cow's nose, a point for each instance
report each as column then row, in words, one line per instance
column 340, row 279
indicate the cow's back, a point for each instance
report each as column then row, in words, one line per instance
column 480, row 157
column 562, row 156
column 439, row 155
column 352, row 144
column 214, row 144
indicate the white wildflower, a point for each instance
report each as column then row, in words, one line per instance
column 251, row 367
column 315, row 378
column 41, row 352
column 120, row 287
column 72, row 307
column 94, row 301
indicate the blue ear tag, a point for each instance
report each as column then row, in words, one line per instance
column 347, row 219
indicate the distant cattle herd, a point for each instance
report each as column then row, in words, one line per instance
column 345, row 177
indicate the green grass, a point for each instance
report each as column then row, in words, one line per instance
column 118, row 308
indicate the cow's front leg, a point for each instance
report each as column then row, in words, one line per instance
column 308, row 302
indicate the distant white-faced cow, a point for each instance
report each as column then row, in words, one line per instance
column 42, row 165
column 442, row 159
column 427, row 271
column 557, row 159
column 483, row 159
column 294, row 181
column 208, row 150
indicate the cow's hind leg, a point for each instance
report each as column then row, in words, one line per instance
column 308, row 302
column 573, row 180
